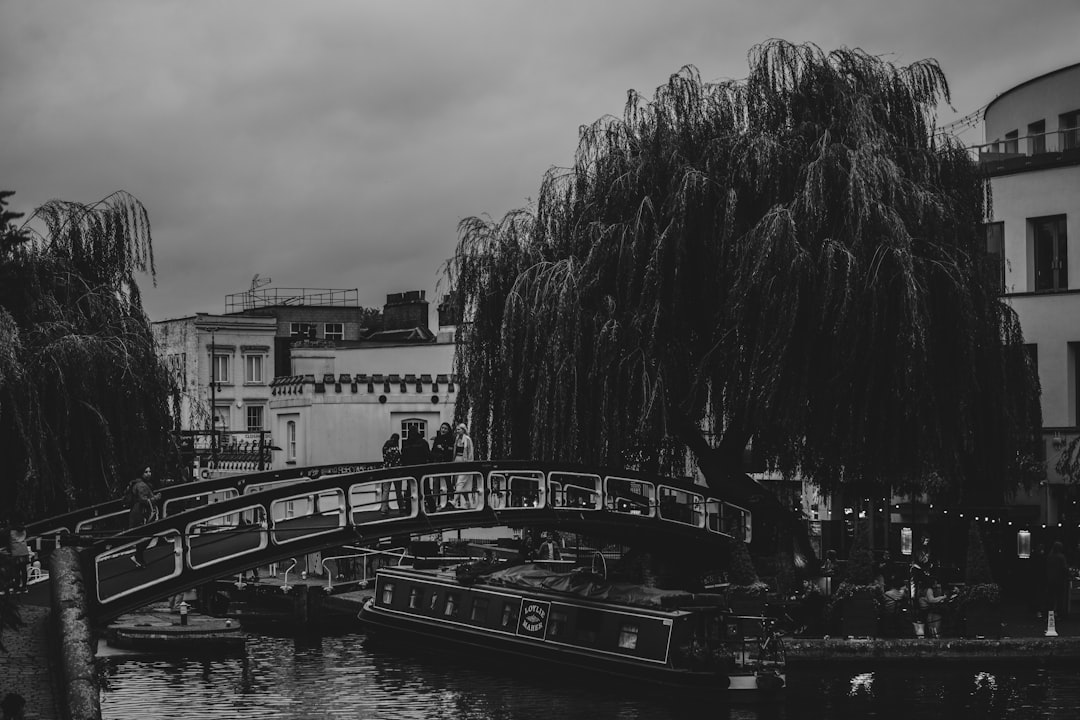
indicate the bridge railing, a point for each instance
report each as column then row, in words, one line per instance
column 110, row 517
column 286, row 519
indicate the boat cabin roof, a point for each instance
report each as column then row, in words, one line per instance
column 539, row 581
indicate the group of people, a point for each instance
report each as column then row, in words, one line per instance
column 443, row 492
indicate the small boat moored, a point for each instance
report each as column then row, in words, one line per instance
column 579, row 622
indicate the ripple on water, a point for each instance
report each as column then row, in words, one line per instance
column 338, row 677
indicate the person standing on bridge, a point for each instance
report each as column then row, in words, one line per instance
column 442, row 451
column 139, row 499
column 463, row 452
column 391, row 456
column 20, row 556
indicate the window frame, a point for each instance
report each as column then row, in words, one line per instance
column 290, row 440
column 1058, row 238
column 995, row 266
column 628, row 636
column 337, row 334
column 260, row 410
column 254, row 361
column 408, row 423
column 220, row 368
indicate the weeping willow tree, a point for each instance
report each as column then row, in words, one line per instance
column 794, row 260
column 83, row 397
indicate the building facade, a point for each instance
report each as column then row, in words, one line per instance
column 309, row 373
column 1032, row 157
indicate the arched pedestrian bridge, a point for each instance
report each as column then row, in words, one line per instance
column 223, row 526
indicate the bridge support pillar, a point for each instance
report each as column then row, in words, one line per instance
column 71, row 617
column 307, row 603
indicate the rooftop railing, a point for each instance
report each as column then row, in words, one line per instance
column 276, row 297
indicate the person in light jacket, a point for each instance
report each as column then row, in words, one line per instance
column 464, row 492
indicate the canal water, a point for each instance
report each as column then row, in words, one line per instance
column 339, row 677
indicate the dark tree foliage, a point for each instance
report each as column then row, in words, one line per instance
column 742, row 571
column 977, row 568
column 83, row 396
column 794, row 259
column 860, row 563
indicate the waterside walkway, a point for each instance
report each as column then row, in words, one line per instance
column 27, row 668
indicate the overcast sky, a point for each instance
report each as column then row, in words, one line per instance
column 338, row 144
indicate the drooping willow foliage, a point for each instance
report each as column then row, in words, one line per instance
column 794, row 259
column 83, row 397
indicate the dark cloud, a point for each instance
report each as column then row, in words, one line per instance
column 338, row 144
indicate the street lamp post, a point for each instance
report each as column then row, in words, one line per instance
column 213, row 399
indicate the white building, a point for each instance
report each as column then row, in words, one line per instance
column 322, row 379
column 344, row 403
column 1032, row 156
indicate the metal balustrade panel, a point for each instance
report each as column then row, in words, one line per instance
column 159, row 560
column 630, row 496
column 681, row 506
column 224, row 537
column 574, row 490
column 307, row 515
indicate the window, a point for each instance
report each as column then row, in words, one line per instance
column 1050, row 253
column 1070, row 130
column 334, row 331
column 388, row 593
column 408, row 427
column 414, row 598
column 451, row 609
column 220, row 369
column 995, row 254
column 253, row 369
column 557, row 623
column 589, row 623
column 628, row 634
column 290, row 440
column 1012, row 141
column 434, row 600
column 254, row 418
column 1036, row 137
column 479, row 609
column 304, row 331
column 509, row 615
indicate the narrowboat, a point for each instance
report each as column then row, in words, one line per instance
column 580, row 623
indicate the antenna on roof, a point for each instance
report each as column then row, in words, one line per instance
column 256, row 283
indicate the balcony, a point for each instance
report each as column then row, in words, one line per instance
column 1030, row 152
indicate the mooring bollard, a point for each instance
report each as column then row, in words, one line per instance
column 183, row 612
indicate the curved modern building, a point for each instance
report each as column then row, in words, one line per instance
column 1032, row 156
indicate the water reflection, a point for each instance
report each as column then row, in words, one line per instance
column 338, row 677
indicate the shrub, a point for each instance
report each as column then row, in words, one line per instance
column 742, row 570
column 977, row 570
column 860, row 565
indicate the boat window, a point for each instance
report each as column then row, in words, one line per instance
column 589, row 623
column 509, row 614
column 434, row 600
column 557, row 623
column 451, row 609
column 388, row 593
column 479, row 609
column 628, row 636
column 414, row 598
